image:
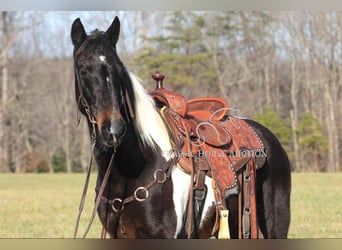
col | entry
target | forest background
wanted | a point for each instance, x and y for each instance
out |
(281, 68)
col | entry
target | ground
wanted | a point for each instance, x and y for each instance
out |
(46, 205)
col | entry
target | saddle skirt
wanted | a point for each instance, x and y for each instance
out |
(214, 142)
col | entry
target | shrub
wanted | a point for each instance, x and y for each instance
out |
(76, 167)
(276, 124)
(59, 161)
(43, 167)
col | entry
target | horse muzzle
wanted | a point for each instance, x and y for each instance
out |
(113, 132)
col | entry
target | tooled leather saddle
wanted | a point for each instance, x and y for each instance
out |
(215, 144)
(225, 143)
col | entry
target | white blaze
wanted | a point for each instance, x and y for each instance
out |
(102, 58)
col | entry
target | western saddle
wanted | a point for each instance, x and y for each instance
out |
(218, 145)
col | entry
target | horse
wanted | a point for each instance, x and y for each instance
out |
(141, 192)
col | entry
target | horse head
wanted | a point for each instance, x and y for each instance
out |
(102, 93)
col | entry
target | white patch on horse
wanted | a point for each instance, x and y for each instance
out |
(209, 199)
(181, 185)
(102, 58)
(154, 133)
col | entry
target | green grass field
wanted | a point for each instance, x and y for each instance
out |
(46, 205)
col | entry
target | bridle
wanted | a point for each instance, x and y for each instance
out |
(83, 101)
(126, 104)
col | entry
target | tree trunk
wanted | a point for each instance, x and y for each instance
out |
(68, 160)
(329, 120)
(297, 164)
(294, 115)
(4, 159)
(267, 85)
(220, 76)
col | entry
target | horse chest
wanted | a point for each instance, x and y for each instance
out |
(127, 229)
(141, 222)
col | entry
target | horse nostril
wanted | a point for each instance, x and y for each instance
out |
(112, 131)
(106, 129)
(117, 128)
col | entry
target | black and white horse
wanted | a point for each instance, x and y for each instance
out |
(124, 124)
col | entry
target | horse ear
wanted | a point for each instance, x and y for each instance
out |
(78, 34)
(113, 31)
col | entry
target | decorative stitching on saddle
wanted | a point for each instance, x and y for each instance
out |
(235, 177)
(256, 135)
(228, 135)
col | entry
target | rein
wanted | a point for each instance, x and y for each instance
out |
(129, 113)
(83, 101)
(159, 176)
(117, 204)
(84, 194)
(98, 198)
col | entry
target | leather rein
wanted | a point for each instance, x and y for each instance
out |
(83, 101)
(117, 204)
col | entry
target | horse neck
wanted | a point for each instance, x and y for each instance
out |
(130, 156)
(133, 166)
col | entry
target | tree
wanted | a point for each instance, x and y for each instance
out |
(277, 125)
(312, 40)
(313, 143)
(179, 52)
(9, 32)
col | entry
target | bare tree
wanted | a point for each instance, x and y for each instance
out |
(9, 35)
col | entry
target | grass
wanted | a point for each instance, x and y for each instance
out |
(46, 205)
(316, 205)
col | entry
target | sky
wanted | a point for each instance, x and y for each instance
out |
(48, 5)
(49, 31)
